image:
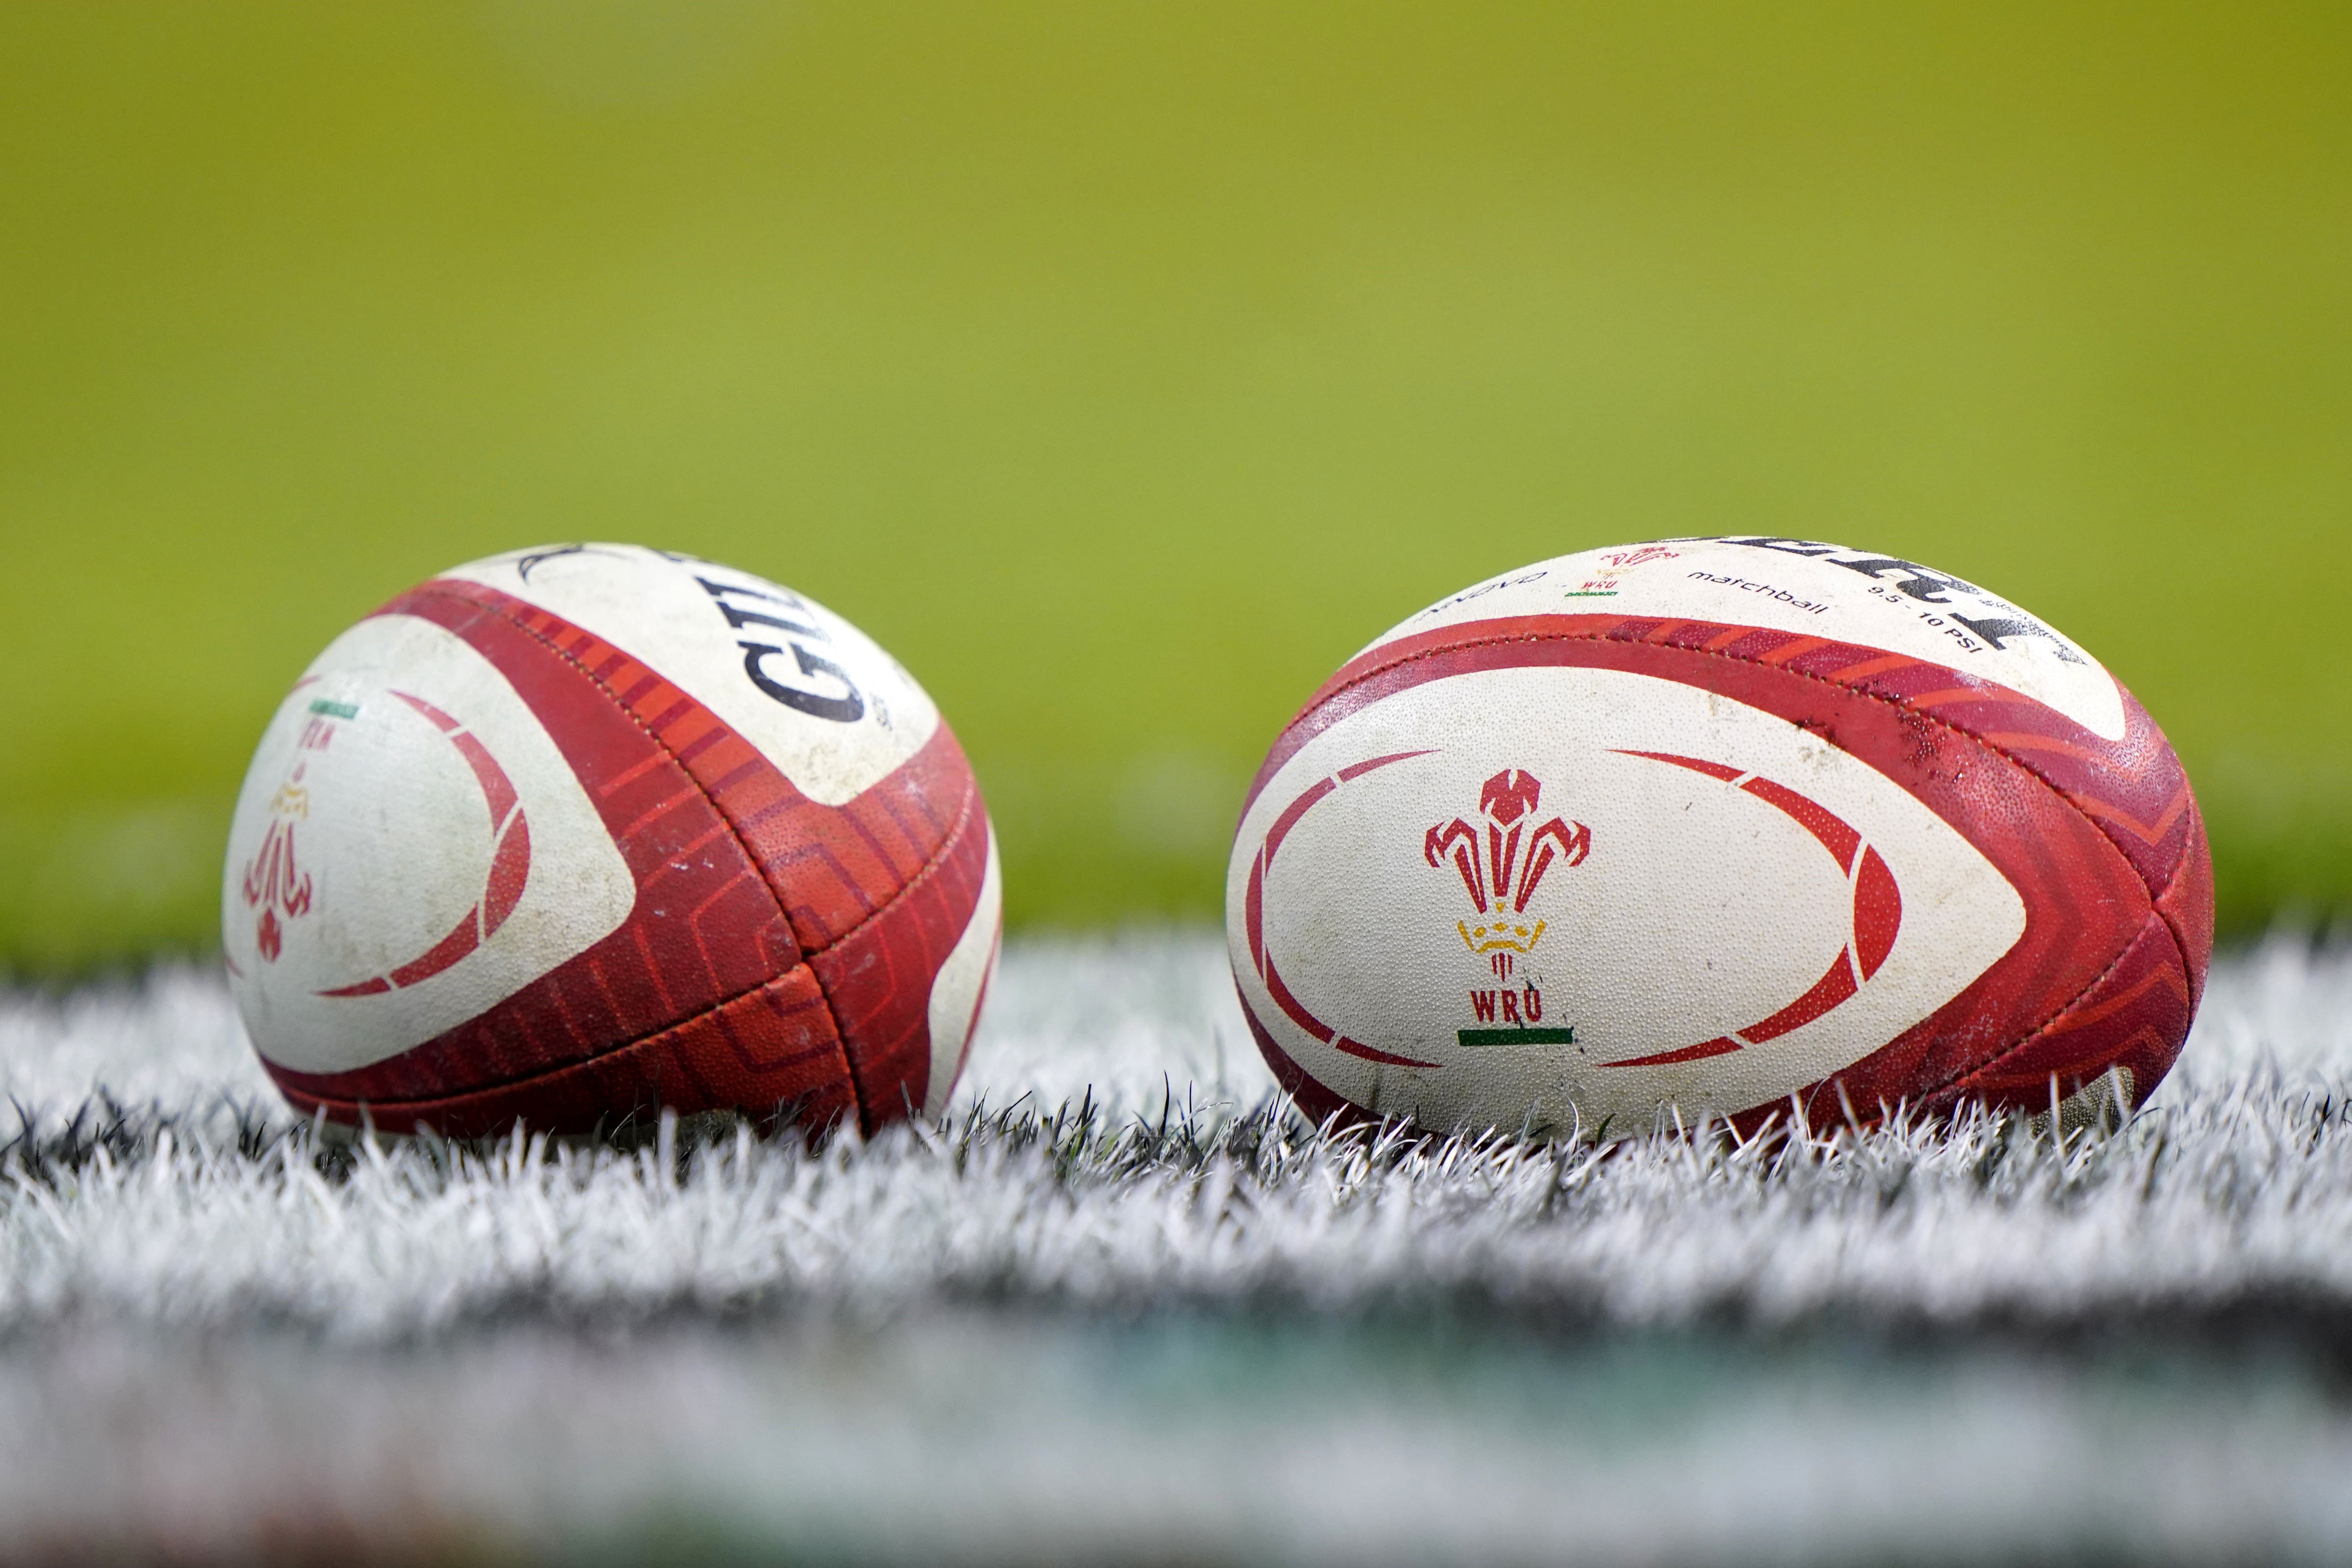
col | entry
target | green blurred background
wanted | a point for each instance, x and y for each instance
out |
(1124, 366)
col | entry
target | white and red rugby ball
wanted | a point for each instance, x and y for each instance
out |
(1697, 827)
(573, 833)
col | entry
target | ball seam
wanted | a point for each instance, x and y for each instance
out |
(734, 830)
(925, 872)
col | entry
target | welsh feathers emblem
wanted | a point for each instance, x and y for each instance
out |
(273, 881)
(273, 885)
(278, 891)
(1502, 867)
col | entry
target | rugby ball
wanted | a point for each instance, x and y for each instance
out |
(1739, 826)
(575, 832)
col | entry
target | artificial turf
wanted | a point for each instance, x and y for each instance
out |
(1120, 1307)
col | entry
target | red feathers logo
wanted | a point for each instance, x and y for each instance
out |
(1502, 868)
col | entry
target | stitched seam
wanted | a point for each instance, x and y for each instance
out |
(1989, 1063)
(929, 868)
(2172, 932)
(2177, 872)
(841, 1042)
(2040, 1029)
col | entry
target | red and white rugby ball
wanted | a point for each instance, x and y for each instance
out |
(578, 832)
(1701, 826)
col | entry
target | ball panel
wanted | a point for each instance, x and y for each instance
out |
(2133, 786)
(401, 796)
(1804, 589)
(2086, 901)
(830, 866)
(961, 987)
(703, 928)
(877, 888)
(2135, 761)
(772, 1052)
(2186, 905)
(805, 687)
(834, 867)
(1624, 864)
(2135, 1014)
(880, 977)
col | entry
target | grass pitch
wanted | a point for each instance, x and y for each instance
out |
(1120, 1307)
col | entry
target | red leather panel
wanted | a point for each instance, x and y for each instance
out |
(880, 975)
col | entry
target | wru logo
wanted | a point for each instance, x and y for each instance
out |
(1501, 871)
(272, 881)
(1492, 871)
